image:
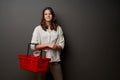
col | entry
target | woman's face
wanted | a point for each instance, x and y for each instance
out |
(47, 15)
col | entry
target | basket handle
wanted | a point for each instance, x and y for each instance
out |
(28, 48)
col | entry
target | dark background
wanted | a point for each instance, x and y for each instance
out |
(91, 29)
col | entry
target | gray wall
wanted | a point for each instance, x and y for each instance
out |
(91, 29)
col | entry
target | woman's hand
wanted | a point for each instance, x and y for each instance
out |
(47, 45)
(54, 46)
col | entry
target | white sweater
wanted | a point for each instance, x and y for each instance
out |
(40, 36)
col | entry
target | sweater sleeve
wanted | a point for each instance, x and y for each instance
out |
(35, 38)
(60, 40)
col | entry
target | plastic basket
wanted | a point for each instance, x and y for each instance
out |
(33, 64)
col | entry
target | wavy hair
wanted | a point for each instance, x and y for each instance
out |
(53, 23)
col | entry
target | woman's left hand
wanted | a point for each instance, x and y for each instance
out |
(54, 46)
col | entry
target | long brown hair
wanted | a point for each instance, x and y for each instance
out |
(53, 23)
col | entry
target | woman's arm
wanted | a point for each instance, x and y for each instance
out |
(41, 46)
(60, 42)
(47, 45)
(54, 46)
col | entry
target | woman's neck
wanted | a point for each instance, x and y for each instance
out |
(48, 24)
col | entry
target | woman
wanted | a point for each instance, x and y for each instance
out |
(49, 37)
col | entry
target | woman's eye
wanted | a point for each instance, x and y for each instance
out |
(48, 14)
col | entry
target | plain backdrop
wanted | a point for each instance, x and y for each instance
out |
(92, 37)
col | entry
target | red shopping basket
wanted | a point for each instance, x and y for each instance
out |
(31, 63)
